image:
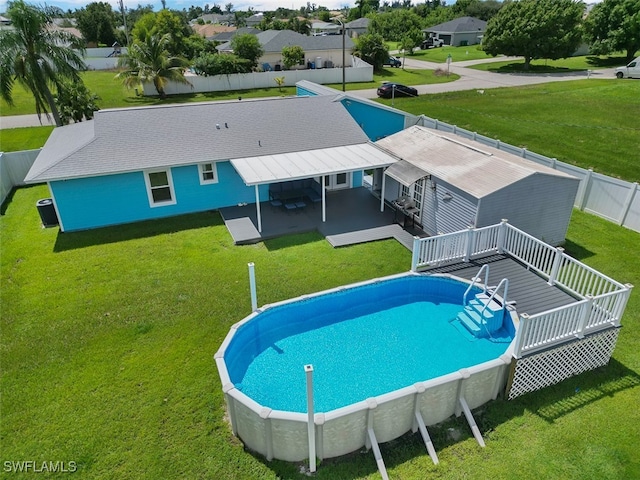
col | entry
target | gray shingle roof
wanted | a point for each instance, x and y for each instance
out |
(358, 23)
(459, 25)
(124, 140)
(273, 41)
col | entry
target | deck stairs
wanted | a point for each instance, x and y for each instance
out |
(483, 314)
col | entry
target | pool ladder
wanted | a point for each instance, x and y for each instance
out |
(483, 314)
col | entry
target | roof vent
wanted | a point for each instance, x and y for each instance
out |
(226, 125)
(218, 126)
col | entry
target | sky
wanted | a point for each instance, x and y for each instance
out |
(258, 5)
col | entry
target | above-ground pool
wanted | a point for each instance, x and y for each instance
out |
(391, 345)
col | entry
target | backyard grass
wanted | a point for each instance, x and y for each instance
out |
(563, 65)
(589, 123)
(108, 338)
(27, 138)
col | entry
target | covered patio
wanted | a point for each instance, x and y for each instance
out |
(352, 216)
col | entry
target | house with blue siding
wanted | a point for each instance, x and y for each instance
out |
(128, 165)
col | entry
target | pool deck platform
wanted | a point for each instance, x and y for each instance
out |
(352, 216)
(529, 290)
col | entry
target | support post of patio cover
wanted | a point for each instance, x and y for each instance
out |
(324, 200)
(384, 183)
(258, 209)
(252, 287)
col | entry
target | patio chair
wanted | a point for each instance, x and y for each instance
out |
(290, 206)
(275, 203)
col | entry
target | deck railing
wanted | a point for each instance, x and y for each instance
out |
(600, 300)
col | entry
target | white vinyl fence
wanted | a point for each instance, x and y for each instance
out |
(14, 166)
(359, 71)
(615, 200)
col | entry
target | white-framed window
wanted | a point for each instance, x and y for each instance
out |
(208, 173)
(160, 188)
(418, 189)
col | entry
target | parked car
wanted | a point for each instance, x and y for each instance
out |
(390, 89)
(431, 42)
(632, 70)
(393, 62)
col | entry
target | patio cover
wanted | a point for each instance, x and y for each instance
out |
(311, 163)
(405, 172)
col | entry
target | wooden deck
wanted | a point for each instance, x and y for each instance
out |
(531, 292)
(352, 216)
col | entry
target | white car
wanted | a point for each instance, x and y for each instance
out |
(632, 70)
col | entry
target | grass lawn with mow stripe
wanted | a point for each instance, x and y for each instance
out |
(589, 123)
(108, 339)
(571, 64)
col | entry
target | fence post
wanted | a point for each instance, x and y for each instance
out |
(586, 314)
(522, 326)
(502, 234)
(627, 203)
(415, 254)
(557, 260)
(585, 191)
(470, 241)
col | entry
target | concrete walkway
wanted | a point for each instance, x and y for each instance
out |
(470, 79)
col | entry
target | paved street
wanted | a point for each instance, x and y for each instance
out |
(470, 79)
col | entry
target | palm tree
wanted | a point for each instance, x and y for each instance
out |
(37, 58)
(149, 61)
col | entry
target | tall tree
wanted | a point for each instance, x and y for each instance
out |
(535, 29)
(150, 61)
(97, 23)
(614, 25)
(394, 25)
(37, 58)
(247, 46)
(371, 48)
(162, 23)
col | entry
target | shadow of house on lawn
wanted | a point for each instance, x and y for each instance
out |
(130, 231)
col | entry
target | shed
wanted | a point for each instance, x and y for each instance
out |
(457, 183)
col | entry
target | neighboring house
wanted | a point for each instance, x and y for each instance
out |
(325, 28)
(129, 165)
(227, 36)
(210, 30)
(457, 183)
(323, 51)
(215, 18)
(458, 32)
(254, 20)
(357, 27)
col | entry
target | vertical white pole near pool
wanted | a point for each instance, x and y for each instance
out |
(308, 369)
(252, 286)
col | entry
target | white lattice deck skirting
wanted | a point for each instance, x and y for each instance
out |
(552, 366)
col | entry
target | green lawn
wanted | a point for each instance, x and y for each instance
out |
(563, 65)
(26, 138)
(589, 123)
(108, 338)
(458, 54)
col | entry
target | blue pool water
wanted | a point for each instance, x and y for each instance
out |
(362, 342)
